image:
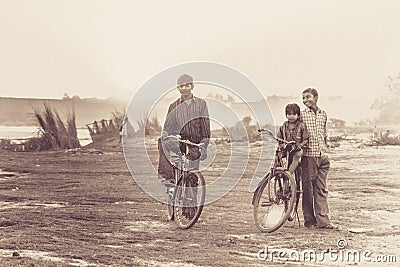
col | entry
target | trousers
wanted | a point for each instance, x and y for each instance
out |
(295, 160)
(315, 192)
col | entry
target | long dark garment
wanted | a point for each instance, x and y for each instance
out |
(189, 119)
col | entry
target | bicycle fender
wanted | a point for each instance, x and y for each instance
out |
(258, 188)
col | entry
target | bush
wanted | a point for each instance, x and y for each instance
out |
(55, 134)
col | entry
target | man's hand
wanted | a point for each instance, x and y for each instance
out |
(164, 134)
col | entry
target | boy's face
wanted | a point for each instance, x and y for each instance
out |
(185, 89)
(309, 100)
(292, 117)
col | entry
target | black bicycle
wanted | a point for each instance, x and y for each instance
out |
(277, 196)
(188, 193)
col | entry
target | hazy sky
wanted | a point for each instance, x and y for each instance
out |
(110, 48)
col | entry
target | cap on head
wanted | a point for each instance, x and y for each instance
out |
(184, 79)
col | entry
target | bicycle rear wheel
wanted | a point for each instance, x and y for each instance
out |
(274, 201)
(189, 199)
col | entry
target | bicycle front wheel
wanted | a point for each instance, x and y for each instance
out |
(189, 199)
(274, 201)
(170, 206)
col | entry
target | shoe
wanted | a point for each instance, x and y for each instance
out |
(329, 227)
(293, 215)
(310, 226)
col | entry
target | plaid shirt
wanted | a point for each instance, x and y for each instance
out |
(316, 126)
(299, 133)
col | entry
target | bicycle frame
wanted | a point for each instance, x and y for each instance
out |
(182, 167)
(184, 191)
(278, 160)
(279, 163)
(279, 167)
(183, 162)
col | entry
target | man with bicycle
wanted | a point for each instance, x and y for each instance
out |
(188, 117)
(315, 165)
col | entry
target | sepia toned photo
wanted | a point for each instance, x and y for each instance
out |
(182, 133)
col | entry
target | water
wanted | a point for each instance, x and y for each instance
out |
(20, 132)
(15, 132)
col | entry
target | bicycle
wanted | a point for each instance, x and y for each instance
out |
(187, 194)
(277, 196)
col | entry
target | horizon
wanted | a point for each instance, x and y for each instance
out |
(325, 103)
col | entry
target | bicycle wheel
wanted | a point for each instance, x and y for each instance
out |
(189, 199)
(171, 194)
(274, 201)
(170, 205)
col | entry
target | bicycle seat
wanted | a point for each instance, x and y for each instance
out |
(280, 169)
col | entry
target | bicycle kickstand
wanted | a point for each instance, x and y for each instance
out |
(296, 218)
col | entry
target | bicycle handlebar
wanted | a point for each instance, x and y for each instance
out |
(186, 142)
(261, 131)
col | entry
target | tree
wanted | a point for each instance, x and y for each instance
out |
(246, 121)
(336, 123)
(387, 105)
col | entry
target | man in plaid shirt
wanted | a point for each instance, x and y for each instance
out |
(315, 164)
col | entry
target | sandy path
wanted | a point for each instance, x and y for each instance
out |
(66, 208)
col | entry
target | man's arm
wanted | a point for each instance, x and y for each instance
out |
(205, 127)
(325, 130)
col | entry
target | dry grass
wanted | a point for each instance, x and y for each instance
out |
(55, 133)
(150, 126)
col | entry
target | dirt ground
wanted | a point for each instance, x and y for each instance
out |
(82, 208)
